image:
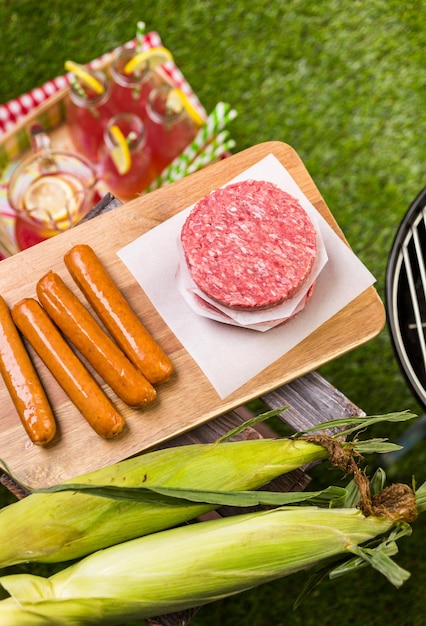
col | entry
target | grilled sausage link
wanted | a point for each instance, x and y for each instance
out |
(82, 330)
(74, 378)
(115, 312)
(23, 383)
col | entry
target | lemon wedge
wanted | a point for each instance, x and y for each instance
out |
(178, 100)
(120, 154)
(85, 76)
(51, 195)
(155, 56)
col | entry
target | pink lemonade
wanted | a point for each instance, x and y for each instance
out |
(129, 92)
(169, 130)
(50, 191)
(127, 186)
(51, 204)
(87, 116)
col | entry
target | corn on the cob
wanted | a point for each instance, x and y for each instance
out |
(53, 527)
(211, 560)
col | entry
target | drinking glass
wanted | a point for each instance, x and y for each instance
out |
(87, 114)
(129, 92)
(169, 130)
(126, 186)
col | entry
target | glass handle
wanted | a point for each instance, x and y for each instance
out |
(40, 140)
(40, 143)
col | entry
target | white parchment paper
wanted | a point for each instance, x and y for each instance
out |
(230, 356)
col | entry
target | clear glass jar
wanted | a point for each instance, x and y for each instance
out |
(129, 92)
(169, 130)
(126, 186)
(87, 115)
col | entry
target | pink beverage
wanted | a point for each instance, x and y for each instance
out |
(169, 128)
(41, 217)
(50, 192)
(87, 115)
(126, 186)
(129, 92)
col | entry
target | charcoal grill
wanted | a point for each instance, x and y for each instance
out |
(406, 296)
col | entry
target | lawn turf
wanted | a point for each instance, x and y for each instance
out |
(343, 82)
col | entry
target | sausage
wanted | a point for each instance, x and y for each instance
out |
(82, 330)
(116, 314)
(74, 378)
(23, 383)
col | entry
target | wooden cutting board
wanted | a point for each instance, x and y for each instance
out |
(188, 399)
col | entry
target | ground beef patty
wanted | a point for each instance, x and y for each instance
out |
(249, 245)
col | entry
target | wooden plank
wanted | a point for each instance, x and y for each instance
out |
(189, 399)
(311, 400)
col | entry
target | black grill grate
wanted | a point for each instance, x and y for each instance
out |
(406, 296)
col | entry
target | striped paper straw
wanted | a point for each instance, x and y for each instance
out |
(140, 32)
(76, 85)
(79, 89)
(212, 152)
(221, 115)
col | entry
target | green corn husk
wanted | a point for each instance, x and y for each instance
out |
(54, 527)
(192, 565)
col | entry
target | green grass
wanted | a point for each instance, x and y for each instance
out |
(343, 82)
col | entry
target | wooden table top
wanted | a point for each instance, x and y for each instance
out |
(189, 399)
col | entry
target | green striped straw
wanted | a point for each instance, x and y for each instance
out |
(212, 152)
(140, 32)
(215, 123)
(79, 89)
(75, 83)
(221, 115)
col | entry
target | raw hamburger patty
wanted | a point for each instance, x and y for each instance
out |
(249, 245)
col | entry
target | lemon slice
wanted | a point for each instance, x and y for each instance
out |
(85, 76)
(177, 100)
(51, 194)
(120, 154)
(155, 57)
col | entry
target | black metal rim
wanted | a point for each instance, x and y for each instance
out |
(392, 276)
